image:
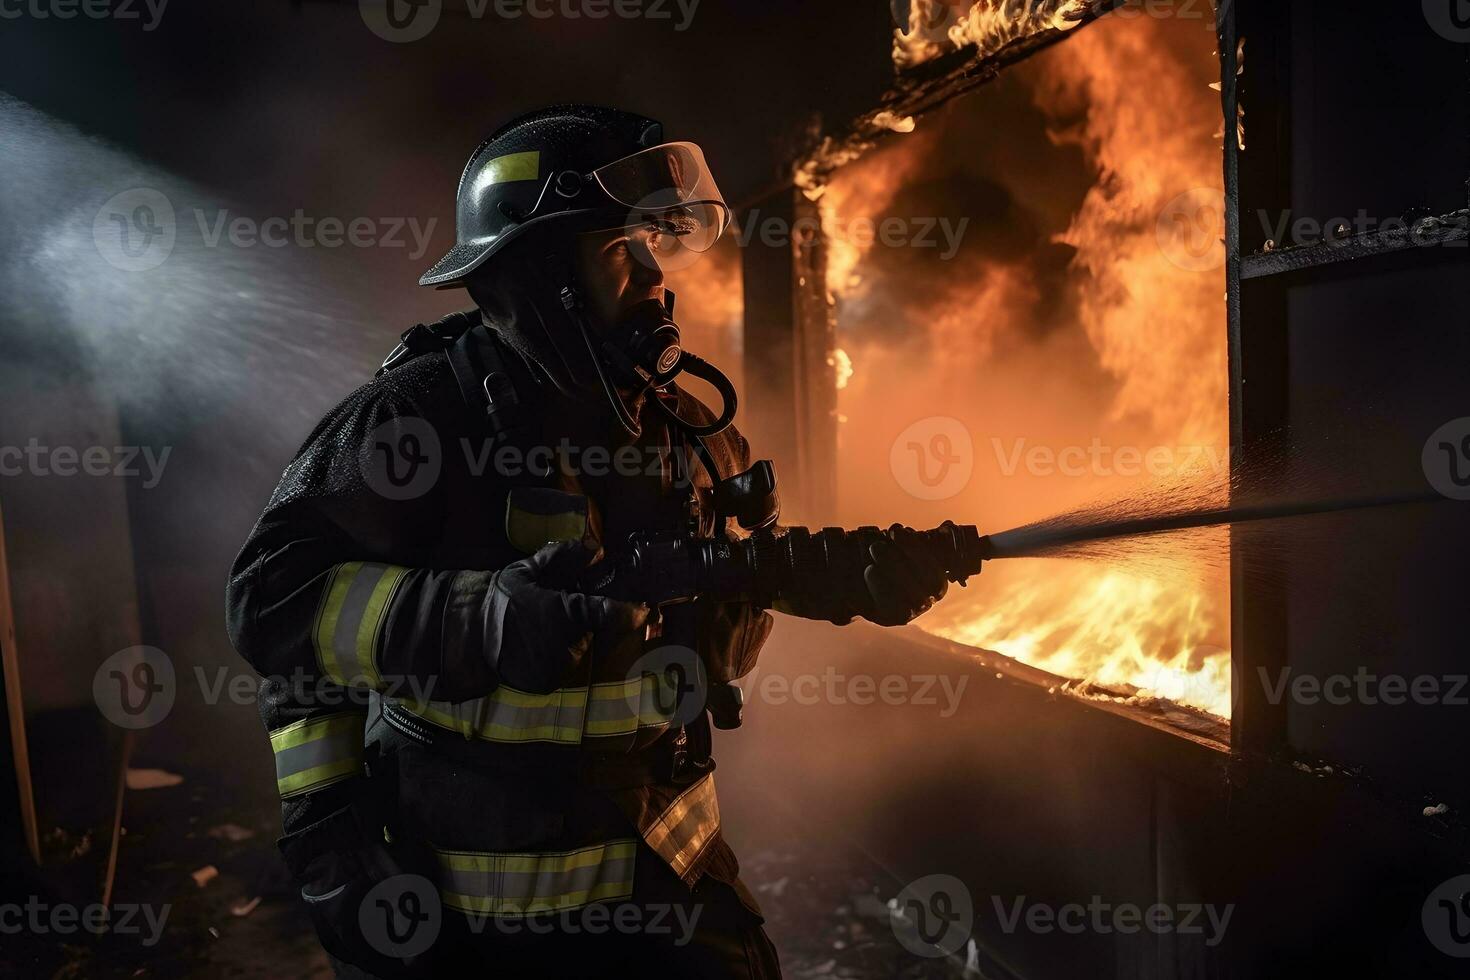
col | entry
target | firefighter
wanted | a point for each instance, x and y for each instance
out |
(479, 764)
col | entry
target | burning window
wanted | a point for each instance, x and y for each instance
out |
(1029, 293)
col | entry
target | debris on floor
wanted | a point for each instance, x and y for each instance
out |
(152, 779)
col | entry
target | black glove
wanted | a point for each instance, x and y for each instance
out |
(535, 632)
(902, 585)
(337, 862)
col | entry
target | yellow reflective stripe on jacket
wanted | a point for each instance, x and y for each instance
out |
(508, 715)
(349, 621)
(518, 884)
(535, 516)
(623, 707)
(686, 826)
(315, 752)
(565, 717)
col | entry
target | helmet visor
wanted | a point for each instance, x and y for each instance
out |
(671, 187)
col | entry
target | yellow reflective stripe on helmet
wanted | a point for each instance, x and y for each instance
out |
(519, 884)
(510, 168)
(686, 826)
(315, 752)
(508, 715)
(349, 621)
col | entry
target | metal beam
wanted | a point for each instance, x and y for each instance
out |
(789, 340)
(1450, 230)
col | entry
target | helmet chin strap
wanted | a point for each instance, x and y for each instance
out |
(571, 298)
(656, 376)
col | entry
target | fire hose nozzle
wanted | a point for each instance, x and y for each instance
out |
(659, 568)
(959, 549)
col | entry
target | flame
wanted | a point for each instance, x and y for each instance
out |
(1124, 631)
(841, 365)
(863, 193)
(940, 26)
(1152, 314)
(1138, 359)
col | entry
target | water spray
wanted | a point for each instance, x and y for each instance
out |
(1060, 534)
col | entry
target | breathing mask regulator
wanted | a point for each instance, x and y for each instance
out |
(641, 353)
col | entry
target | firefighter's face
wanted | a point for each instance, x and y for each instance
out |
(619, 269)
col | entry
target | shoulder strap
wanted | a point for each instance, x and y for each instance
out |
(485, 382)
(424, 338)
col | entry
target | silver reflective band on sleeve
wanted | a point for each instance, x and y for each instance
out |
(349, 621)
(519, 884)
(617, 709)
(317, 752)
(686, 827)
